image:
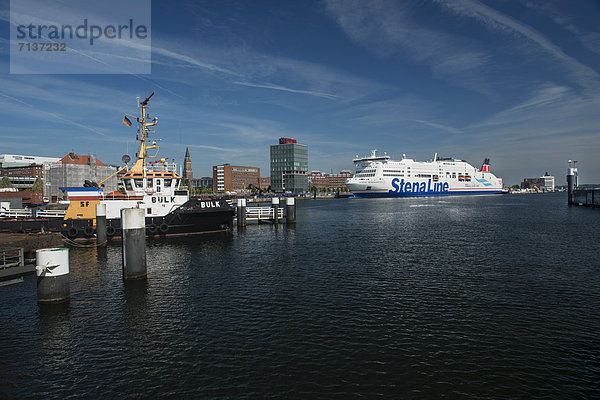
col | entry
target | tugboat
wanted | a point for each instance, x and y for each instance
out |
(154, 186)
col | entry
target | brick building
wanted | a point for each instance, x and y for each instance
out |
(265, 183)
(234, 178)
(328, 181)
(23, 177)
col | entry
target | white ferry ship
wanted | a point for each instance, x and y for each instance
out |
(378, 176)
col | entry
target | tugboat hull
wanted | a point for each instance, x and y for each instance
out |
(193, 217)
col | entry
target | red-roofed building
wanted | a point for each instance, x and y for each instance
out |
(73, 158)
(74, 169)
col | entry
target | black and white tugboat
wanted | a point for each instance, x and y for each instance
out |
(154, 186)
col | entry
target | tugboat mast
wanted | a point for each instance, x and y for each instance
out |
(146, 127)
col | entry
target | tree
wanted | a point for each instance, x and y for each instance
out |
(5, 183)
(38, 185)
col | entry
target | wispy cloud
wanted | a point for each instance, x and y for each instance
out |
(43, 113)
(389, 30)
(437, 126)
(286, 89)
(494, 20)
(589, 39)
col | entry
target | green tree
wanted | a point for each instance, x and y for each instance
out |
(38, 185)
(5, 183)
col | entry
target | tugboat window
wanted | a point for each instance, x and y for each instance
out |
(149, 183)
(128, 184)
(139, 183)
(168, 182)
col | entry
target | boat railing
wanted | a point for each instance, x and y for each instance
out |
(15, 213)
(121, 197)
(27, 213)
(160, 167)
(50, 213)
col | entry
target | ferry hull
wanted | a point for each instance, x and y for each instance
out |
(386, 194)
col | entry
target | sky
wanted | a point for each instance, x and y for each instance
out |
(516, 81)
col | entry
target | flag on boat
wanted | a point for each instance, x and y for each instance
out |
(126, 121)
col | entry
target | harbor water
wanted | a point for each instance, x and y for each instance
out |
(459, 297)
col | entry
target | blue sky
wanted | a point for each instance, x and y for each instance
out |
(515, 81)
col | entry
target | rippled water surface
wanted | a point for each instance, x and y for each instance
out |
(464, 297)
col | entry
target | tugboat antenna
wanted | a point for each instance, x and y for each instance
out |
(145, 102)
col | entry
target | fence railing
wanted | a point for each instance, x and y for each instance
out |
(11, 258)
(260, 213)
(51, 213)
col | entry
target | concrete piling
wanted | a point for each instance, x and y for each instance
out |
(241, 212)
(133, 222)
(290, 210)
(52, 270)
(275, 209)
(100, 224)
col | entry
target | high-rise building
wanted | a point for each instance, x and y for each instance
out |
(289, 166)
(188, 173)
(231, 177)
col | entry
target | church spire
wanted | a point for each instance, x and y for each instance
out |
(188, 172)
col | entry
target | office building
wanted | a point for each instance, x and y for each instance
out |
(205, 182)
(543, 184)
(289, 166)
(228, 178)
(265, 183)
(329, 181)
(16, 160)
(24, 178)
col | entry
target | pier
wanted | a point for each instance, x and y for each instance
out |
(273, 213)
(262, 214)
(17, 251)
(580, 197)
(586, 197)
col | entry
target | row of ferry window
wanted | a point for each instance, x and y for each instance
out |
(138, 183)
(449, 175)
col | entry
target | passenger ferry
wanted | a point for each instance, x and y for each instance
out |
(378, 176)
(154, 186)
